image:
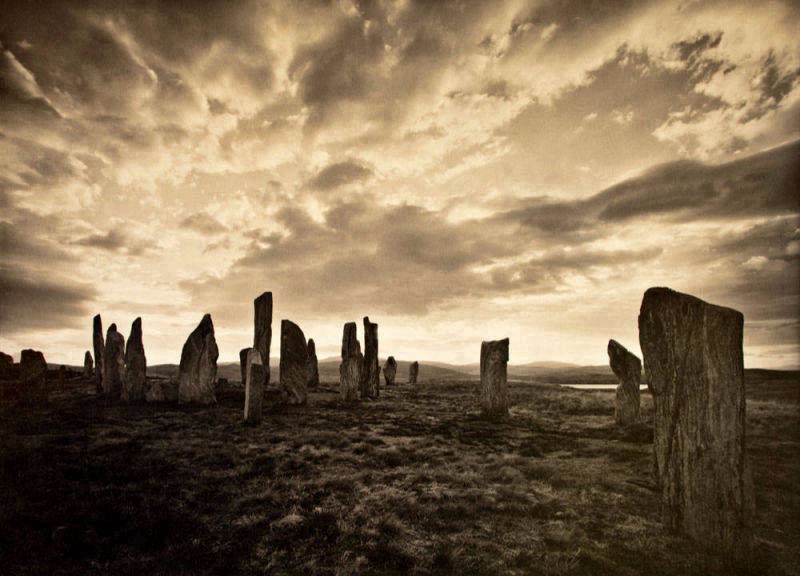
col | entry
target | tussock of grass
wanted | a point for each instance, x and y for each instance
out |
(418, 484)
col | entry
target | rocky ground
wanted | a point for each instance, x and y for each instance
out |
(403, 484)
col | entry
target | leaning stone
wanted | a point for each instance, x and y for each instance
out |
(99, 352)
(33, 376)
(88, 365)
(133, 389)
(6, 366)
(413, 373)
(313, 365)
(113, 364)
(262, 330)
(370, 375)
(390, 370)
(351, 365)
(628, 369)
(694, 366)
(294, 367)
(253, 387)
(197, 371)
(494, 369)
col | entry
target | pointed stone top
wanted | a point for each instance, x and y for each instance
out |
(264, 296)
(206, 324)
(312, 347)
(112, 328)
(97, 319)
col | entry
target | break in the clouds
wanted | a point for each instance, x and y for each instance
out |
(456, 170)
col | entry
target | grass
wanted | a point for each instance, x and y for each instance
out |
(407, 484)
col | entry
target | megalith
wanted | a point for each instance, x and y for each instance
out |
(134, 386)
(294, 367)
(413, 373)
(243, 363)
(262, 330)
(99, 352)
(694, 365)
(113, 364)
(6, 366)
(33, 376)
(88, 365)
(494, 369)
(628, 370)
(370, 374)
(351, 365)
(253, 387)
(390, 370)
(313, 364)
(198, 368)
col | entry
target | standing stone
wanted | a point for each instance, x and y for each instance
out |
(370, 375)
(99, 352)
(694, 366)
(352, 364)
(243, 363)
(33, 376)
(628, 369)
(6, 366)
(253, 387)
(313, 365)
(88, 365)
(413, 373)
(390, 370)
(113, 364)
(262, 330)
(198, 368)
(294, 364)
(494, 369)
(134, 386)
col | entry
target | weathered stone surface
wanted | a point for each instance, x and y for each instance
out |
(33, 376)
(262, 330)
(161, 390)
(133, 388)
(99, 352)
(351, 365)
(313, 365)
(628, 369)
(198, 368)
(253, 387)
(88, 365)
(370, 374)
(294, 368)
(494, 369)
(694, 366)
(6, 366)
(113, 364)
(413, 373)
(243, 363)
(390, 370)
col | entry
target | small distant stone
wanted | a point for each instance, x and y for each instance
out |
(390, 370)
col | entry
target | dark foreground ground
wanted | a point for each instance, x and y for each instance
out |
(406, 484)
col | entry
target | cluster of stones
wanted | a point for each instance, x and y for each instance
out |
(120, 372)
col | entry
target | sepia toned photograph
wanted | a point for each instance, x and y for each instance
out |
(425, 287)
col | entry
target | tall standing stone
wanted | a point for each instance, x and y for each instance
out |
(413, 373)
(198, 368)
(390, 370)
(88, 365)
(243, 363)
(135, 384)
(494, 370)
(262, 329)
(628, 369)
(294, 367)
(694, 366)
(370, 375)
(99, 352)
(113, 364)
(253, 387)
(6, 366)
(313, 365)
(33, 376)
(351, 365)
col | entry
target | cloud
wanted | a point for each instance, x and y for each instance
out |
(340, 174)
(116, 241)
(203, 223)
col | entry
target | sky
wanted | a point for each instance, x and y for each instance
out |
(457, 171)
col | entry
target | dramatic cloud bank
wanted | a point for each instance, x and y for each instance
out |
(457, 170)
